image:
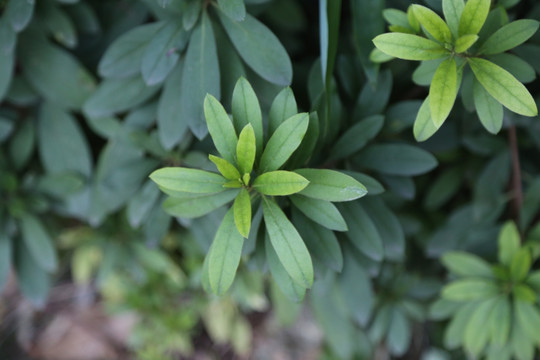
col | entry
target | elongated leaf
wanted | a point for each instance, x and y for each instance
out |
(279, 183)
(322, 212)
(528, 318)
(162, 52)
(469, 289)
(226, 169)
(259, 48)
(443, 91)
(489, 110)
(288, 244)
(6, 252)
(432, 23)
(520, 265)
(476, 336)
(424, 127)
(221, 128)
(522, 70)
(242, 212)
(467, 265)
(246, 110)
(282, 108)
(452, 10)
(191, 206)
(141, 204)
(235, 9)
(509, 36)
(356, 137)
(284, 142)
(19, 13)
(246, 149)
(409, 47)
(34, 283)
(396, 159)
(7, 67)
(399, 333)
(473, 17)
(463, 43)
(509, 242)
(200, 77)
(59, 24)
(453, 336)
(224, 255)
(500, 321)
(124, 56)
(504, 87)
(331, 185)
(39, 243)
(188, 180)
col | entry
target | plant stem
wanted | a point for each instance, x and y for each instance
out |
(516, 188)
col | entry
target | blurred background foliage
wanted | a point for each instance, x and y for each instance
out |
(95, 95)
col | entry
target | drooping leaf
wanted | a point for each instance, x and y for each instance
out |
(279, 183)
(242, 212)
(443, 91)
(409, 47)
(509, 36)
(473, 16)
(322, 212)
(288, 244)
(246, 110)
(221, 128)
(196, 205)
(489, 110)
(331, 185)
(39, 243)
(188, 180)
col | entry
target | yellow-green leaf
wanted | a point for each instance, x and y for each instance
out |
(443, 91)
(432, 23)
(473, 17)
(409, 47)
(279, 183)
(463, 43)
(242, 212)
(228, 170)
(246, 149)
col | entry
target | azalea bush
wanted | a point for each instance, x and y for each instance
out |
(195, 162)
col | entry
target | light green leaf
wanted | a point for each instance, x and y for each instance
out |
(452, 10)
(259, 48)
(396, 17)
(224, 255)
(331, 185)
(528, 318)
(469, 289)
(246, 110)
(284, 142)
(504, 87)
(489, 110)
(423, 74)
(464, 42)
(509, 36)
(500, 321)
(509, 242)
(221, 128)
(409, 47)
(473, 17)
(524, 293)
(226, 169)
(235, 9)
(279, 183)
(188, 180)
(321, 211)
(432, 23)
(242, 212)
(476, 335)
(39, 243)
(520, 265)
(289, 246)
(424, 127)
(282, 108)
(466, 264)
(453, 336)
(246, 149)
(189, 206)
(443, 91)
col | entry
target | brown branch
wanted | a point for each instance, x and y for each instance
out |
(517, 190)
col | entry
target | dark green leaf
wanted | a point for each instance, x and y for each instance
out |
(235, 9)
(140, 205)
(467, 265)
(399, 333)
(509, 36)
(32, 280)
(19, 13)
(356, 137)
(322, 212)
(6, 250)
(22, 144)
(59, 24)
(489, 110)
(39, 243)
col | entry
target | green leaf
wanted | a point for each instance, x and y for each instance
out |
(242, 212)
(288, 244)
(331, 185)
(489, 110)
(423, 74)
(284, 142)
(322, 212)
(355, 285)
(192, 11)
(163, 52)
(534, 280)
(524, 293)
(396, 17)
(509, 242)
(33, 282)
(424, 127)
(442, 309)
(62, 144)
(259, 48)
(432, 23)
(246, 149)
(282, 108)
(522, 70)
(39, 243)
(321, 242)
(226, 169)
(124, 56)
(290, 288)
(279, 183)
(224, 255)
(6, 250)
(200, 77)
(356, 137)
(59, 24)
(141, 204)
(246, 110)
(453, 336)
(469, 289)
(118, 95)
(399, 333)
(188, 180)
(329, 16)
(7, 67)
(476, 336)
(520, 265)
(235, 9)
(22, 144)
(221, 128)
(19, 13)
(443, 91)
(473, 17)
(466, 265)
(463, 43)
(396, 159)
(191, 206)
(444, 188)
(509, 36)
(528, 318)
(452, 10)
(409, 47)
(500, 321)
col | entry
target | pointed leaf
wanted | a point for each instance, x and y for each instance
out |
(466, 265)
(489, 110)
(246, 110)
(189, 206)
(242, 212)
(509, 242)
(409, 47)
(432, 23)
(443, 91)
(424, 127)
(463, 43)
(520, 265)
(226, 169)
(172, 126)
(476, 335)
(246, 149)
(188, 180)
(473, 17)
(320, 211)
(283, 107)
(279, 183)
(452, 10)
(509, 36)
(469, 289)
(221, 128)
(39, 243)
(331, 185)
(356, 137)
